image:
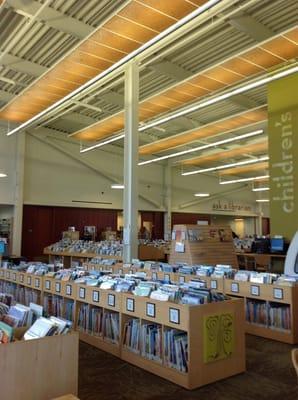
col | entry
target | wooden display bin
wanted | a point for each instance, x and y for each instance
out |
(148, 252)
(39, 369)
(268, 296)
(195, 321)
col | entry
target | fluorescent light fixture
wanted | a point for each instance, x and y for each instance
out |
(236, 164)
(3, 175)
(224, 96)
(238, 219)
(204, 147)
(202, 194)
(119, 63)
(260, 189)
(95, 146)
(263, 200)
(117, 186)
(255, 178)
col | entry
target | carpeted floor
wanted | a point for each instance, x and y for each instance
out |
(269, 375)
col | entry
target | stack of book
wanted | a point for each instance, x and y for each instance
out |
(279, 316)
(256, 312)
(111, 326)
(151, 341)
(132, 335)
(176, 349)
(90, 319)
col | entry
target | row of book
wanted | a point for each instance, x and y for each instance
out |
(58, 306)
(94, 321)
(272, 315)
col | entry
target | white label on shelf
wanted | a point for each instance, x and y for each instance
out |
(22, 278)
(120, 271)
(28, 280)
(130, 305)
(150, 310)
(154, 276)
(167, 277)
(234, 287)
(58, 287)
(82, 292)
(181, 279)
(68, 290)
(48, 285)
(14, 276)
(213, 284)
(278, 293)
(95, 296)
(111, 300)
(255, 290)
(174, 315)
(36, 282)
(7, 274)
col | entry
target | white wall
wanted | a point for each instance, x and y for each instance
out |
(54, 178)
(7, 166)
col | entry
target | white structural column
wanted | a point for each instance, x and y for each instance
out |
(131, 149)
(168, 202)
(19, 195)
(259, 220)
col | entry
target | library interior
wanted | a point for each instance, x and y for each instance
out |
(148, 199)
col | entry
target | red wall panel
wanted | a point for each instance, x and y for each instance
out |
(188, 218)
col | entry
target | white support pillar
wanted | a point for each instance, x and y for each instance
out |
(19, 195)
(260, 220)
(168, 202)
(131, 148)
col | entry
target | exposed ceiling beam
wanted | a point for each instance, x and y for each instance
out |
(244, 101)
(253, 28)
(21, 65)
(173, 70)
(113, 98)
(51, 17)
(5, 96)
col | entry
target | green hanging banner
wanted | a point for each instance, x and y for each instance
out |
(283, 154)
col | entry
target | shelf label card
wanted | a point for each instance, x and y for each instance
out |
(21, 278)
(174, 315)
(28, 280)
(48, 285)
(82, 293)
(95, 296)
(14, 276)
(255, 290)
(181, 279)
(7, 274)
(111, 300)
(278, 293)
(150, 310)
(37, 282)
(154, 276)
(120, 271)
(213, 284)
(58, 287)
(68, 290)
(235, 287)
(130, 305)
(167, 277)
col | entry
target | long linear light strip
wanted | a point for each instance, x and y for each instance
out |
(260, 189)
(255, 178)
(113, 139)
(3, 175)
(119, 63)
(203, 147)
(235, 164)
(221, 97)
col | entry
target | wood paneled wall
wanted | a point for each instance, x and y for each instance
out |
(188, 218)
(43, 225)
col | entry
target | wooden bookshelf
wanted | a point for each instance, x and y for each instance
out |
(39, 369)
(268, 294)
(68, 257)
(199, 244)
(190, 320)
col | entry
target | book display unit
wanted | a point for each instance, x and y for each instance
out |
(202, 244)
(271, 310)
(188, 345)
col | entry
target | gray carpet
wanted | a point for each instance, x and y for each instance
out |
(269, 375)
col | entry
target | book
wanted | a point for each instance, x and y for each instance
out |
(6, 333)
